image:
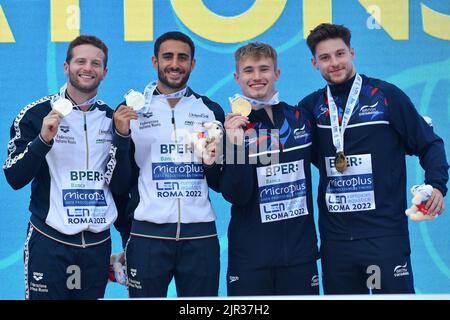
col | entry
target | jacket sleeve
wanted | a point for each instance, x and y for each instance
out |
(121, 169)
(237, 180)
(305, 110)
(418, 137)
(124, 219)
(26, 152)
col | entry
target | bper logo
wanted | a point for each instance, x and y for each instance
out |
(352, 161)
(282, 168)
(175, 148)
(86, 176)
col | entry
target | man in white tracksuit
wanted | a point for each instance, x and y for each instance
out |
(173, 231)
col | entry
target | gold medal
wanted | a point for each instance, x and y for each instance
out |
(340, 162)
(242, 106)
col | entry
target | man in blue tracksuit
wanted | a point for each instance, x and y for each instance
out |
(173, 231)
(272, 244)
(64, 153)
(365, 128)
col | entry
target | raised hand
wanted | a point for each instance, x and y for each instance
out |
(122, 118)
(234, 127)
(435, 204)
(50, 125)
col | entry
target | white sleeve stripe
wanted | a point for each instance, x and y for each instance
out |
(111, 164)
(11, 145)
(367, 123)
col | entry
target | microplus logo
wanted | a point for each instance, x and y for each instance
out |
(84, 198)
(172, 171)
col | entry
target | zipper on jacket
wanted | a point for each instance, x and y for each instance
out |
(87, 141)
(87, 163)
(177, 236)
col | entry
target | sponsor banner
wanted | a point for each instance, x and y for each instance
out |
(282, 191)
(84, 198)
(352, 190)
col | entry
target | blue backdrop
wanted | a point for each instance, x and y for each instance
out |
(403, 42)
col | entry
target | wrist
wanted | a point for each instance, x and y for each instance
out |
(123, 135)
(48, 143)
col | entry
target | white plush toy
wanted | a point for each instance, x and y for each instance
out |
(421, 194)
(211, 132)
(117, 271)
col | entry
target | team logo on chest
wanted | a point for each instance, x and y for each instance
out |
(367, 110)
(64, 129)
(300, 133)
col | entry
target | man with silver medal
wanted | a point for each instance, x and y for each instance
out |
(173, 232)
(71, 205)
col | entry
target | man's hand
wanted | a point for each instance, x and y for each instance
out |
(50, 125)
(122, 118)
(209, 153)
(435, 204)
(234, 127)
(117, 269)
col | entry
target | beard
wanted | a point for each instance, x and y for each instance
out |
(88, 89)
(349, 73)
(174, 85)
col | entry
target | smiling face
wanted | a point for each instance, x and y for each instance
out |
(174, 65)
(334, 59)
(85, 69)
(256, 77)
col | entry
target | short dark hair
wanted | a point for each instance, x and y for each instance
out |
(255, 50)
(87, 39)
(326, 31)
(174, 35)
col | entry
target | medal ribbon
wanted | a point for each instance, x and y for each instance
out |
(338, 132)
(62, 95)
(150, 89)
(257, 104)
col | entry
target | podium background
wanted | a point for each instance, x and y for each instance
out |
(33, 49)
